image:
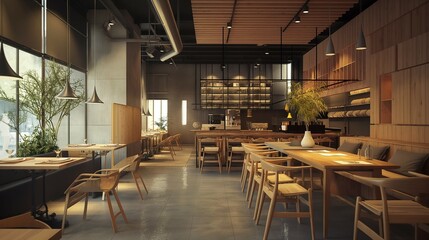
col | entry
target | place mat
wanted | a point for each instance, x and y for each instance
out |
(13, 160)
(353, 162)
(81, 145)
(55, 161)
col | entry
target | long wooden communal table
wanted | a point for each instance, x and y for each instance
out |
(328, 162)
(225, 134)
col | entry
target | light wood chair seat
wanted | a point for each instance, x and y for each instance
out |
(291, 189)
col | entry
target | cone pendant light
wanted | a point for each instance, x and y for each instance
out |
(330, 50)
(6, 72)
(361, 43)
(67, 93)
(94, 99)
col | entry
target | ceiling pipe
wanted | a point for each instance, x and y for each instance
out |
(165, 14)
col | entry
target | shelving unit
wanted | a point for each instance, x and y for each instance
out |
(350, 112)
(235, 93)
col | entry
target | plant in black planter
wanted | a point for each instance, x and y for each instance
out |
(38, 97)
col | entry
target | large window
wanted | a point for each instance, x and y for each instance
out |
(159, 118)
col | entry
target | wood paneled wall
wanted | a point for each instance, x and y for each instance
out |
(126, 127)
(397, 35)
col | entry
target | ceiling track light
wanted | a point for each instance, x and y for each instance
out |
(305, 9)
(297, 19)
(229, 25)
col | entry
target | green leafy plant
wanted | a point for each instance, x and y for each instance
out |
(306, 103)
(162, 124)
(38, 98)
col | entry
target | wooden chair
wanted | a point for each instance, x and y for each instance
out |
(25, 220)
(210, 149)
(167, 144)
(248, 148)
(406, 210)
(104, 181)
(283, 192)
(131, 164)
(176, 140)
(256, 158)
(235, 152)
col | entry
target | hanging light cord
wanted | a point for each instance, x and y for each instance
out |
(93, 42)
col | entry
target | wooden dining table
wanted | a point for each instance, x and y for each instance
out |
(107, 147)
(30, 234)
(328, 161)
(38, 166)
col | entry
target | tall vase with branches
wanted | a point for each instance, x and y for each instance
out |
(307, 105)
(38, 98)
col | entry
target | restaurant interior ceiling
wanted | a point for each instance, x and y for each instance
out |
(256, 27)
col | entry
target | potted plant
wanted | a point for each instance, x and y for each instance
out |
(38, 98)
(307, 105)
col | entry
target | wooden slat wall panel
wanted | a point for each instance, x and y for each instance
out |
(397, 34)
(401, 97)
(419, 91)
(414, 51)
(126, 124)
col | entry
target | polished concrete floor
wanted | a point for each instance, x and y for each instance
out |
(184, 204)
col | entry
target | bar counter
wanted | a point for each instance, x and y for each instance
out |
(225, 134)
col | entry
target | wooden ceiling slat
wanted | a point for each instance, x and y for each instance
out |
(258, 21)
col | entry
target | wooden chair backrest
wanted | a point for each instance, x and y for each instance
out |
(125, 163)
(109, 181)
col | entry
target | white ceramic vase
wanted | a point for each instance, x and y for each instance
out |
(307, 140)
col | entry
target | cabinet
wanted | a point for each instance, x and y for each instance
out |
(235, 93)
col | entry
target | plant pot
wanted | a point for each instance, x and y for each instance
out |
(307, 140)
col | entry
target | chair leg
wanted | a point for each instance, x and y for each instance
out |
(252, 191)
(121, 209)
(258, 199)
(112, 215)
(261, 204)
(298, 208)
(144, 185)
(356, 220)
(66, 203)
(219, 162)
(137, 184)
(310, 209)
(85, 208)
(249, 185)
(269, 217)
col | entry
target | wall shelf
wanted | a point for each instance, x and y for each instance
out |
(233, 93)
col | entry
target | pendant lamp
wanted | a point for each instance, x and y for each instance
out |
(94, 99)
(6, 72)
(289, 115)
(148, 113)
(361, 43)
(67, 93)
(249, 113)
(330, 50)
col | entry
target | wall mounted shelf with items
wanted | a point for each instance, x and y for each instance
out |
(235, 93)
(357, 105)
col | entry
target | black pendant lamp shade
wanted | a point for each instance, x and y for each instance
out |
(361, 43)
(148, 113)
(94, 99)
(6, 72)
(330, 50)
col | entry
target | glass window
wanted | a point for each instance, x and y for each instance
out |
(184, 112)
(159, 118)
(8, 106)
